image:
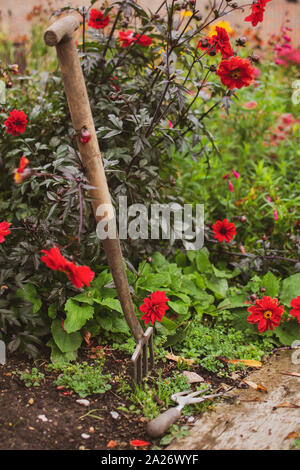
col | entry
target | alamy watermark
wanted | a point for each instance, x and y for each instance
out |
(2, 92)
(296, 92)
(158, 221)
(2, 353)
(296, 354)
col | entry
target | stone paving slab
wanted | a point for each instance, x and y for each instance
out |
(247, 424)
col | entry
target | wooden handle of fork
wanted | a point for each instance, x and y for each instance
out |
(161, 424)
(60, 34)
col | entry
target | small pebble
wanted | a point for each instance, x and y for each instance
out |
(190, 419)
(30, 401)
(83, 402)
(114, 415)
(92, 430)
(192, 377)
(85, 436)
(43, 418)
(235, 376)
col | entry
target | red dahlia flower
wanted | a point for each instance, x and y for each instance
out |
(16, 122)
(144, 40)
(295, 312)
(257, 14)
(126, 38)
(155, 307)
(224, 230)
(236, 72)
(78, 275)
(4, 230)
(219, 42)
(54, 259)
(22, 173)
(267, 313)
(222, 42)
(97, 20)
(205, 43)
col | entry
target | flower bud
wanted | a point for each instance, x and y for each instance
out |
(85, 136)
(14, 68)
(254, 58)
(212, 52)
(204, 42)
(20, 177)
(241, 41)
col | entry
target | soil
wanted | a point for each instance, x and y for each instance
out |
(65, 420)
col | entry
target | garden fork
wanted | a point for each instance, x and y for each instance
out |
(61, 35)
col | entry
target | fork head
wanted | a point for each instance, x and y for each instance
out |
(139, 358)
(187, 397)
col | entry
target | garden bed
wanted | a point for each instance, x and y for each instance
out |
(67, 420)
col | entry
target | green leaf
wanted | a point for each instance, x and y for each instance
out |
(66, 342)
(112, 304)
(271, 283)
(179, 307)
(85, 297)
(185, 298)
(154, 282)
(29, 293)
(76, 315)
(202, 262)
(114, 323)
(52, 310)
(181, 260)
(100, 281)
(204, 298)
(188, 287)
(290, 289)
(57, 356)
(177, 337)
(218, 286)
(169, 324)
(158, 260)
(240, 320)
(237, 301)
(287, 332)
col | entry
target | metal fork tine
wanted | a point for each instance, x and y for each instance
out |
(140, 356)
(151, 351)
(145, 360)
(194, 394)
(139, 369)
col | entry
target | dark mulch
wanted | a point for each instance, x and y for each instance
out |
(67, 420)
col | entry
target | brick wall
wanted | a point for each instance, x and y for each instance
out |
(14, 23)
